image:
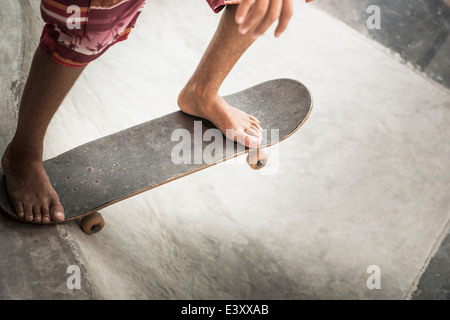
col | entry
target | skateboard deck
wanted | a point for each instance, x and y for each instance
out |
(95, 175)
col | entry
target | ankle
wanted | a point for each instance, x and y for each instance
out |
(201, 90)
(19, 150)
(205, 91)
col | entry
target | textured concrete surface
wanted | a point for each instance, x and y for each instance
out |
(364, 182)
(15, 60)
(435, 281)
(34, 263)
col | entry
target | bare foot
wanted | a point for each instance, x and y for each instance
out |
(232, 122)
(29, 188)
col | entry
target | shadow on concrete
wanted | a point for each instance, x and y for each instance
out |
(418, 30)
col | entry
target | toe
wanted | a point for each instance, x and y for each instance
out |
(37, 214)
(257, 130)
(45, 214)
(28, 209)
(253, 132)
(45, 217)
(37, 217)
(19, 209)
(252, 141)
(256, 124)
(57, 212)
(248, 138)
(254, 118)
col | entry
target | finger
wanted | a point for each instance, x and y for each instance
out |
(272, 15)
(243, 10)
(285, 17)
(257, 13)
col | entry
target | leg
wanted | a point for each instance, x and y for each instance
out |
(28, 186)
(49, 81)
(200, 95)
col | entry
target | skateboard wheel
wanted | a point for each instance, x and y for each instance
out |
(92, 223)
(257, 159)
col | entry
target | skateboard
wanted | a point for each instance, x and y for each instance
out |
(100, 173)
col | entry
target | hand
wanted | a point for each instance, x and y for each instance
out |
(257, 16)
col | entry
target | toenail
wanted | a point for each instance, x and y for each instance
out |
(59, 214)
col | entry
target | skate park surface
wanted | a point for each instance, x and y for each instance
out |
(364, 182)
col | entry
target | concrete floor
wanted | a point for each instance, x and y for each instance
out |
(365, 182)
(418, 31)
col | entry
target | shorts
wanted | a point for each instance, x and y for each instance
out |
(75, 35)
(218, 5)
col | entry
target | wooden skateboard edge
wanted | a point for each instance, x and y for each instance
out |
(105, 205)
